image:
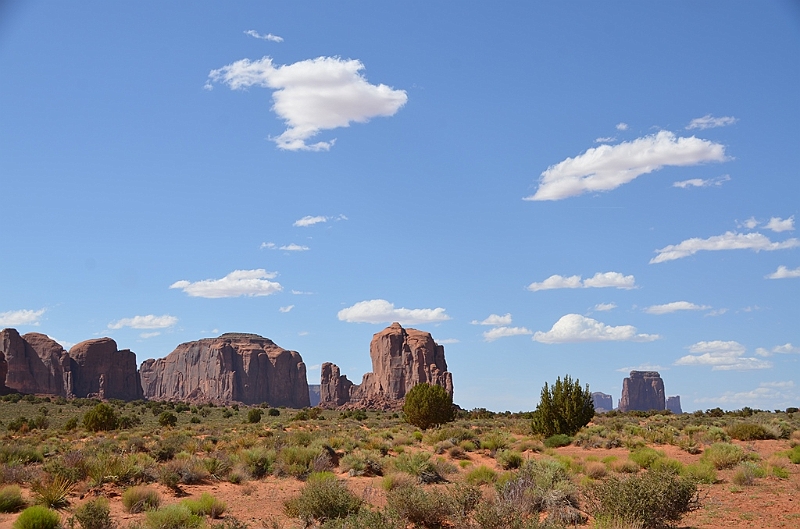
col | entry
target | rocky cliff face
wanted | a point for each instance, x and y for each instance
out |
(4, 390)
(401, 359)
(674, 404)
(602, 402)
(238, 367)
(100, 370)
(35, 363)
(643, 390)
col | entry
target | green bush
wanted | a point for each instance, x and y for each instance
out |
(101, 418)
(140, 498)
(654, 499)
(481, 475)
(540, 485)
(206, 505)
(37, 517)
(365, 519)
(508, 459)
(421, 507)
(564, 409)
(557, 440)
(418, 465)
(428, 405)
(94, 514)
(323, 497)
(723, 455)
(646, 457)
(172, 517)
(748, 431)
(11, 499)
(274, 412)
(254, 416)
(167, 419)
(794, 455)
(747, 472)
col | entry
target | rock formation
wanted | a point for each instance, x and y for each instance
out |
(313, 394)
(401, 359)
(100, 370)
(4, 390)
(35, 363)
(238, 367)
(643, 390)
(602, 402)
(674, 404)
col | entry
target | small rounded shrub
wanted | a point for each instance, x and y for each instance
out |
(254, 416)
(172, 517)
(11, 499)
(37, 517)
(101, 418)
(274, 412)
(140, 499)
(323, 497)
(748, 431)
(428, 405)
(557, 440)
(206, 505)
(723, 455)
(167, 419)
(94, 514)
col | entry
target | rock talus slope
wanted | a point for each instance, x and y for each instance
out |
(401, 359)
(233, 367)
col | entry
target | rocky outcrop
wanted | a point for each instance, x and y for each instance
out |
(602, 402)
(4, 390)
(35, 363)
(643, 390)
(401, 359)
(100, 370)
(239, 367)
(674, 404)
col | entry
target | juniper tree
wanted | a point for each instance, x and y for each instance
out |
(563, 409)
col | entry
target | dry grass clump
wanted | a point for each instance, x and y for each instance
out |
(11, 499)
(140, 499)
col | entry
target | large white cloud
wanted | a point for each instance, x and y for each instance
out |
(721, 356)
(502, 332)
(494, 319)
(577, 328)
(313, 95)
(674, 307)
(13, 318)
(237, 283)
(709, 122)
(728, 241)
(599, 280)
(381, 311)
(784, 273)
(151, 321)
(607, 167)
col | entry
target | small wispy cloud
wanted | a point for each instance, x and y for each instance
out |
(147, 335)
(605, 139)
(786, 348)
(286, 309)
(699, 182)
(675, 306)
(642, 367)
(310, 220)
(504, 332)
(622, 126)
(494, 319)
(150, 321)
(448, 341)
(269, 36)
(784, 273)
(728, 241)
(599, 280)
(710, 122)
(294, 248)
(13, 318)
(603, 307)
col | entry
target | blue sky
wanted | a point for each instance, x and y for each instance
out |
(578, 188)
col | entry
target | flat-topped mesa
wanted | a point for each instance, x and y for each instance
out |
(235, 367)
(674, 404)
(602, 402)
(401, 359)
(642, 391)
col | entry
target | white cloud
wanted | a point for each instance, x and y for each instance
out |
(716, 312)
(308, 220)
(269, 36)
(301, 293)
(603, 307)
(728, 241)
(784, 273)
(622, 126)
(607, 167)
(294, 248)
(147, 335)
(709, 122)
(721, 356)
(777, 393)
(786, 348)
(150, 321)
(494, 319)
(749, 223)
(502, 332)
(599, 280)
(448, 341)
(674, 307)
(699, 182)
(237, 283)
(778, 224)
(577, 328)
(605, 139)
(381, 311)
(13, 318)
(286, 309)
(642, 367)
(267, 246)
(313, 95)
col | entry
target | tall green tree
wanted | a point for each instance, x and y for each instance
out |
(428, 405)
(563, 409)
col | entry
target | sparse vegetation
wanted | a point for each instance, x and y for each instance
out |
(37, 517)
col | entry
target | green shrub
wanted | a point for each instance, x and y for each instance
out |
(274, 412)
(421, 507)
(167, 419)
(140, 499)
(418, 465)
(748, 431)
(11, 499)
(365, 519)
(747, 472)
(564, 409)
(254, 416)
(206, 505)
(323, 497)
(94, 514)
(15, 452)
(557, 440)
(654, 499)
(259, 461)
(723, 455)
(52, 493)
(794, 455)
(645, 457)
(701, 472)
(542, 485)
(101, 418)
(508, 459)
(37, 517)
(428, 405)
(481, 475)
(172, 517)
